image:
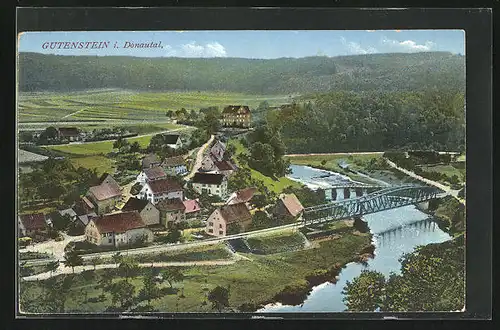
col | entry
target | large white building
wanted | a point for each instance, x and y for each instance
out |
(211, 183)
(158, 190)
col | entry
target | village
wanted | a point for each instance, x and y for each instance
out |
(168, 196)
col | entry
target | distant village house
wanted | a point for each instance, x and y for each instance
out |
(288, 208)
(210, 183)
(219, 221)
(150, 160)
(236, 116)
(148, 212)
(158, 190)
(151, 174)
(171, 212)
(192, 209)
(68, 134)
(33, 224)
(106, 195)
(174, 165)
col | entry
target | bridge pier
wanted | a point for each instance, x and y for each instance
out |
(359, 192)
(360, 225)
(334, 194)
(347, 193)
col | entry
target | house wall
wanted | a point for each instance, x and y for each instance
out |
(141, 178)
(107, 205)
(219, 190)
(172, 216)
(239, 119)
(216, 225)
(150, 215)
(154, 199)
(92, 234)
(174, 170)
(207, 164)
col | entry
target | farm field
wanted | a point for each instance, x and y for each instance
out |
(118, 104)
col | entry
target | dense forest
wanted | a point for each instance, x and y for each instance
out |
(374, 72)
(371, 121)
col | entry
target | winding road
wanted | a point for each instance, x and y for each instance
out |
(199, 158)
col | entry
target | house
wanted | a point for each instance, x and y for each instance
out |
(151, 174)
(117, 229)
(192, 209)
(211, 183)
(149, 213)
(207, 163)
(151, 160)
(106, 195)
(171, 211)
(242, 196)
(84, 206)
(157, 190)
(224, 167)
(217, 150)
(222, 218)
(236, 116)
(173, 140)
(32, 224)
(85, 218)
(68, 133)
(175, 165)
(288, 208)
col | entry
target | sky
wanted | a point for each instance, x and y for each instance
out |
(246, 44)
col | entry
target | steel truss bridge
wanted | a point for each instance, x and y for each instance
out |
(381, 200)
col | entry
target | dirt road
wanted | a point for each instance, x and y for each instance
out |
(199, 158)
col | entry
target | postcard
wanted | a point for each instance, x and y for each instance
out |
(241, 171)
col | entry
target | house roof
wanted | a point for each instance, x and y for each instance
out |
(164, 185)
(24, 156)
(242, 196)
(86, 217)
(33, 221)
(171, 138)
(224, 165)
(135, 204)
(174, 161)
(105, 191)
(153, 173)
(150, 159)
(191, 205)
(235, 212)
(68, 131)
(118, 222)
(208, 178)
(236, 109)
(107, 178)
(70, 212)
(292, 204)
(171, 204)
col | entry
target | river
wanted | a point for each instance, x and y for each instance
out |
(395, 232)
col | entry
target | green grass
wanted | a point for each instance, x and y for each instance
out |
(101, 163)
(275, 185)
(97, 148)
(253, 281)
(448, 170)
(273, 243)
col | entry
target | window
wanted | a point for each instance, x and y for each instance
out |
(220, 226)
(210, 230)
(211, 224)
(109, 240)
(221, 232)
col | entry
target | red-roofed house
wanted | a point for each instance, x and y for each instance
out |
(68, 133)
(288, 208)
(158, 190)
(105, 196)
(151, 174)
(192, 209)
(118, 229)
(242, 196)
(32, 224)
(219, 221)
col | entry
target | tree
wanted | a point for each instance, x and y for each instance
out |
(234, 228)
(172, 275)
(117, 258)
(72, 259)
(170, 114)
(120, 143)
(149, 290)
(260, 220)
(135, 147)
(123, 292)
(365, 292)
(52, 266)
(95, 261)
(219, 297)
(128, 267)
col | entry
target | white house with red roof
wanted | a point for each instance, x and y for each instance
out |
(118, 229)
(32, 224)
(158, 190)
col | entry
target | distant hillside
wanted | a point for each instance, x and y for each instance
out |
(387, 72)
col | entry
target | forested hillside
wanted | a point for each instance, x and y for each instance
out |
(374, 72)
(370, 121)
